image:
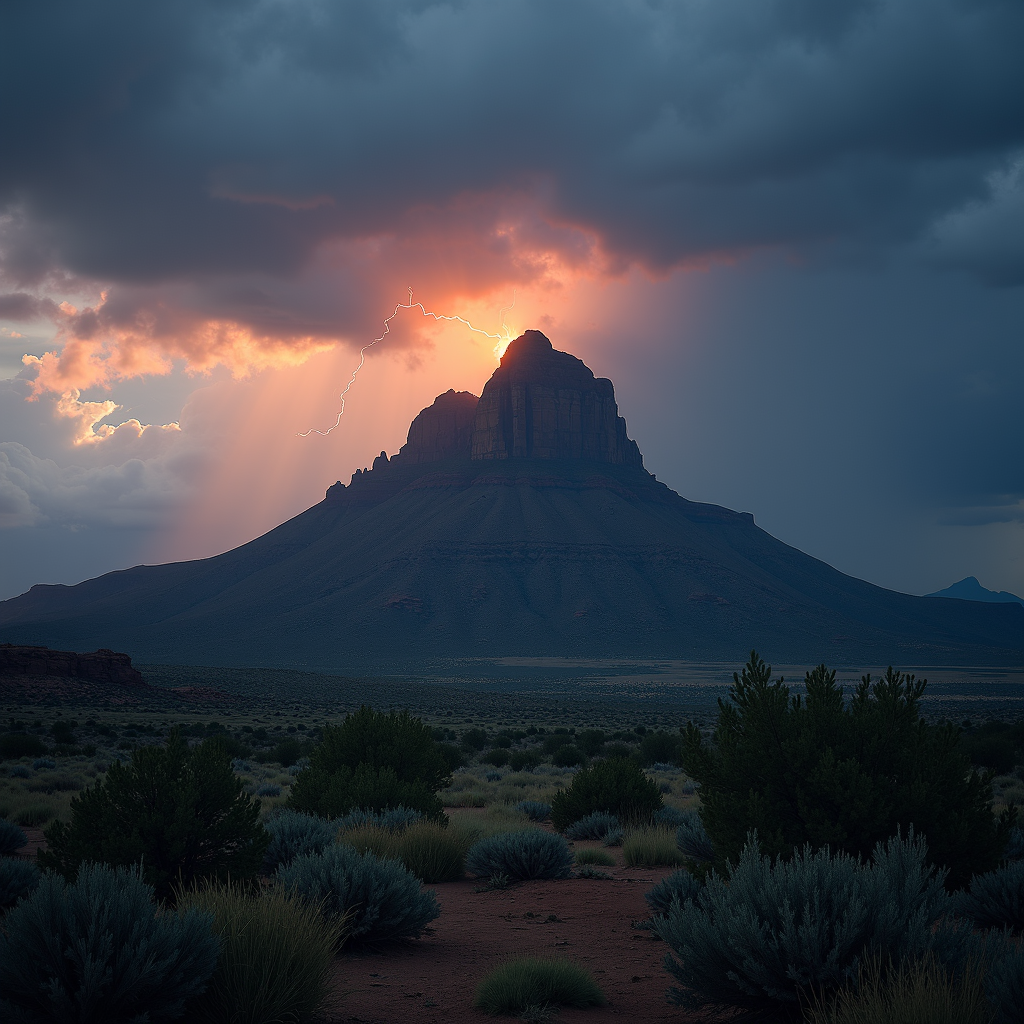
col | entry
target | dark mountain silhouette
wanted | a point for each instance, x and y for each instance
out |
(522, 524)
(969, 589)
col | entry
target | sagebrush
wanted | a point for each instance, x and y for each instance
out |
(380, 898)
(519, 856)
(98, 951)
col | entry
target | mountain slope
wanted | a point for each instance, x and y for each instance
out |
(969, 589)
(522, 524)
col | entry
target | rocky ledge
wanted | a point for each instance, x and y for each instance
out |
(101, 666)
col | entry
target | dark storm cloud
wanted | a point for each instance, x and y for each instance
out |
(150, 142)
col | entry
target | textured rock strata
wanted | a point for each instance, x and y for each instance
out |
(441, 430)
(544, 404)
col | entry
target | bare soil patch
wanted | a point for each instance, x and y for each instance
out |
(433, 979)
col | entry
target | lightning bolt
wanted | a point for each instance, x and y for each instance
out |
(502, 340)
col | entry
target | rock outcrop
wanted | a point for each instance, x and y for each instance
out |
(544, 404)
(102, 666)
(441, 430)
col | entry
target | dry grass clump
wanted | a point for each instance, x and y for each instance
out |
(589, 855)
(432, 852)
(275, 959)
(652, 848)
(916, 992)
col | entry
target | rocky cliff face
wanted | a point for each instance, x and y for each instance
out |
(442, 429)
(102, 666)
(544, 404)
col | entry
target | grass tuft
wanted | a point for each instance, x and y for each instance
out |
(920, 991)
(430, 851)
(529, 984)
(275, 958)
(591, 856)
(652, 848)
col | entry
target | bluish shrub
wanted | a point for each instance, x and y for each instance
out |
(1004, 984)
(493, 776)
(680, 886)
(689, 787)
(521, 856)
(534, 810)
(97, 951)
(383, 897)
(617, 785)
(692, 838)
(43, 762)
(770, 933)
(670, 817)
(293, 834)
(1015, 844)
(995, 899)
(17, 879)
(393, 818)
(268, 789)
(12, 838)
(614, 837)
(19, 771)
(593, 826)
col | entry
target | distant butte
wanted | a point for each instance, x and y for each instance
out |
(519, 524)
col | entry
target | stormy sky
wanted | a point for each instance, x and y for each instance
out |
(792, 233)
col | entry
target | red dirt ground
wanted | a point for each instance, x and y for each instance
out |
(432, 980)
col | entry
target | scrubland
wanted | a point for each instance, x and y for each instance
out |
(827, 857)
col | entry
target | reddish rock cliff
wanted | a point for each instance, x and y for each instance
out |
(102, 666)
(544, 404)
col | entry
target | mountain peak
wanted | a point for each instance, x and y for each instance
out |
(541, 403)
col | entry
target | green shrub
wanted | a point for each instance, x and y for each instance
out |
(63, 732)
(617, 785)
(552, 744)
(568, 756)
(591, 741)
(34, 815)
(769, 934)
(534, 810)
(19, 744)
(844, 774)
(528, 985)
(381, 898)
(499, 756)
(693, 839)
(98, 951)
(292, 834)
(995, 899)
(373, 761)
(454, 756)
(275, 960)
(287, 752)
(474, 739)
(588, 855)
(917, 992)
(651, 848)
(520, 856)
(12, 838)
(18, 878)
(678, 887)
(660, 748)
(432, 852)
(180, 812)
(366, 788)
(524, 760)
(593, 826)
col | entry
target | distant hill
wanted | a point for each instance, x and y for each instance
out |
(519, 524)
(969, 589)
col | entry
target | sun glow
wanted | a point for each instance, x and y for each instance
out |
(502, 340)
